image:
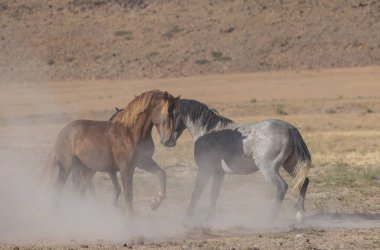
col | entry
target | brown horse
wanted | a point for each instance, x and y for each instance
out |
(143, 159)
(110, 146)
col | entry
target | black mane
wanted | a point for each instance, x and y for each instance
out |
(198, 111)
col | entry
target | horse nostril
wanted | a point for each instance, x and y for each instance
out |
(169, 144)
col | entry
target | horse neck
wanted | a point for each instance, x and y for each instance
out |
(142, 128)
(197, 130)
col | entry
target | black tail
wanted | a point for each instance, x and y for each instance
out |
(303, 153)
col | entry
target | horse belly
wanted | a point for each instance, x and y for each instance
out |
(239, 165)
(98, 162)
(95, 156)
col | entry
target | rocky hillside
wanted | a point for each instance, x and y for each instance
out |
(49, 40)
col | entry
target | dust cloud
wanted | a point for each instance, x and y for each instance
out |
(28, 214)
(27, 208)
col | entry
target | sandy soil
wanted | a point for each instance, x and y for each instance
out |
(337, 112)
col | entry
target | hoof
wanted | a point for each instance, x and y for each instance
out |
(209, 219)
(155, 204)
(299, 217)
(188, 221)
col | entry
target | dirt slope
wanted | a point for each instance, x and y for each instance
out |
(43, 40)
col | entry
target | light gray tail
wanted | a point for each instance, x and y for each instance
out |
(303, 160)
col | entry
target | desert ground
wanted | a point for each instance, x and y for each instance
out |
(314, 64)
(336, 110)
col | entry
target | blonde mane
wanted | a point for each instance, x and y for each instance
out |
(129, 116)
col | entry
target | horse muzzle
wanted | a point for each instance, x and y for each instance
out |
(169, 143)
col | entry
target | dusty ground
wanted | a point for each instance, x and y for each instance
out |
(46, 46)
(337, 112)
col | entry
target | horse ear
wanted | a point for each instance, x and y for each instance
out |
(118, 110)
(177, 98)
(166, 95)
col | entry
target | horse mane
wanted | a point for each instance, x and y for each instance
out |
(130, 114)
(200, 112)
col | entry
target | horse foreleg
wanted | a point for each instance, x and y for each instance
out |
(78, 177)
(89, 175)
(116, 187)
(151, 166)
(127, 181)
(203, 176)
(215, 191)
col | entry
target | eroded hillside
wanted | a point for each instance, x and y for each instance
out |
(44, 40)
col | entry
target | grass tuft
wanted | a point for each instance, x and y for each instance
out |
(123, 33)
(202, 61)
(218, 56)
(172, 32)
(280, 109)
(369, 111)
(371, 176)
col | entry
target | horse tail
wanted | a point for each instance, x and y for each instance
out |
(50, 170)
(303, 160)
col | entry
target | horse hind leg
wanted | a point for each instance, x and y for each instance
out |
(271, 174)
(87, 186)
(81, 177)
(301, 200)
(116, 187)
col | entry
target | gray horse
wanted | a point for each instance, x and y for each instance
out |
(222, 146)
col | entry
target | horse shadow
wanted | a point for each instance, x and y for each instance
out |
(350, 220)
(227, 145)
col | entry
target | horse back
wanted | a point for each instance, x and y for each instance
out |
(97, 144)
